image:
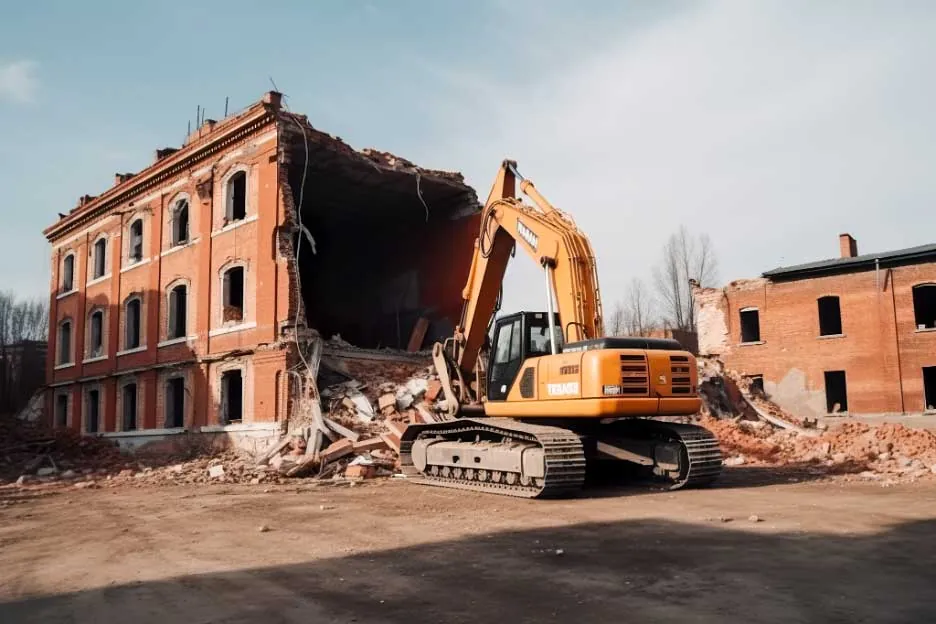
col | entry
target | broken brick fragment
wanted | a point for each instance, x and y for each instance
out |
(371, 444)
(396, 428)
(392, 441)
(386, 402)
(434, 390)
(360, 471)
(337, 450)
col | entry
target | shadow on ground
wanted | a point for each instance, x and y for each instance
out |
(629, 571)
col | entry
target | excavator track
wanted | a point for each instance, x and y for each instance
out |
(703, 453)
(563, 457)
(700, 461)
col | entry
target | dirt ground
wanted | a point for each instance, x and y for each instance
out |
(823, 551)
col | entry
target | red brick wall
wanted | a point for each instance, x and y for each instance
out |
(213, 245)
(882, 359)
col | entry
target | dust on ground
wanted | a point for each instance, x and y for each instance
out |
(755, 548)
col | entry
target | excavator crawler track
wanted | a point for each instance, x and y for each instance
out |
(701, 456)
(563, 456)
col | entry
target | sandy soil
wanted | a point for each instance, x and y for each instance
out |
(396, 552)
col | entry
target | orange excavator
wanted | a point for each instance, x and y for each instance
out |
(534, 399)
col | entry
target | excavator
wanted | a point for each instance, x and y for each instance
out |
(535, 400)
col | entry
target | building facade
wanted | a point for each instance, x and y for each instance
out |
(187, 296)
(854, 334)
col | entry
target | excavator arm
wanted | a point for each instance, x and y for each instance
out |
(533, 421)
(552, 239)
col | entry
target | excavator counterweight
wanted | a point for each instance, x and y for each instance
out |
(536, 398)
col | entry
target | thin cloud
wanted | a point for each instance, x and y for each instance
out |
(770, 126)
(18, 82)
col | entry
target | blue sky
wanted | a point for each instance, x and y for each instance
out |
(770, 126)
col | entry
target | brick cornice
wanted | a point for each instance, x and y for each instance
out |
(251, 121)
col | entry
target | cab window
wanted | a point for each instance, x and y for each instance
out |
(538, 336)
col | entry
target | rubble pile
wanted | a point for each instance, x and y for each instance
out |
(28, 448)
(727, 393)
(755, 431)
(33, 454)
(365, 410)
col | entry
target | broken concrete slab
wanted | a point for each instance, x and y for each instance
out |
(216, 472)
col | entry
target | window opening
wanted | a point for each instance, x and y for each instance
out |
(61, 410)
(68, 273)
(237, 197)
(177, 310)
(924, 306)
(100, 257)
(136, 241)
(97, 334)
(233, 295)
(129, 407)
(132, 337)
(180, 223)
(64, 355)
(836, 392)
(232, 396)
(830, 316)
(175, 402)
(750, 326)
(929, 388)
(94, 411)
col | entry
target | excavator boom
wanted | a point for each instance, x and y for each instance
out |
(552, 239)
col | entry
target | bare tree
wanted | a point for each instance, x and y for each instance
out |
(21, 370)
(635, 314)
(616, 325)
(639, 309)
(685, 257)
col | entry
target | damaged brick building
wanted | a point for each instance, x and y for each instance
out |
(188, 296)
(853, 334)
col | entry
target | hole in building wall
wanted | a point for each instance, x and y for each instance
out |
(757, 385)
(232, 396)
(929, 388)
(750, 326)
(381, 260)
(924, 306)
(830, 316)
(836, 392)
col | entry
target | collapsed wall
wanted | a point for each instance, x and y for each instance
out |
(379, 243)
(754, 430)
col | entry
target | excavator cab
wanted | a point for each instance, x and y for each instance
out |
(518, 337)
